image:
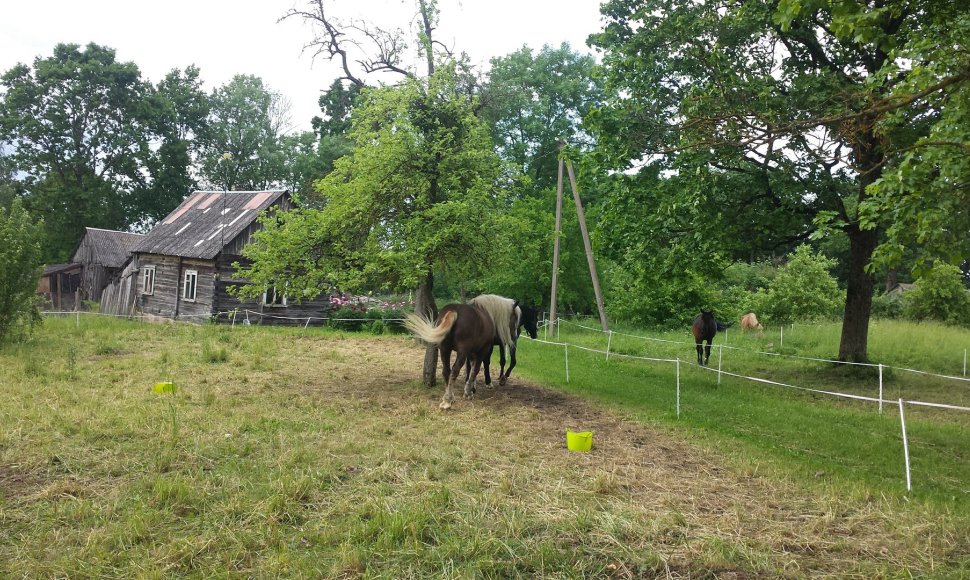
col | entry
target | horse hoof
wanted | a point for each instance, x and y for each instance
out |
(444, 406)
(502, 381)
(488, 385)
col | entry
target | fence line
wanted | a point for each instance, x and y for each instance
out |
(792, 356)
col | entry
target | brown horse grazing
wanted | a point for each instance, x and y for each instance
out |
(704, 329)
(750, 322)
(467, 330)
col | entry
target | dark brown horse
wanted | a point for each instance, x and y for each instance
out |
(468, 330)
(704, 329)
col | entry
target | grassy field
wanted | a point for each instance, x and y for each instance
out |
(314, 453)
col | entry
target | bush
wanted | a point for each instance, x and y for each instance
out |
(347, 318)
(20, 270)
(803, 290)
(939, 295)
(887, 306)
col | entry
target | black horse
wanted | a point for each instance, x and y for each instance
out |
(704, 329)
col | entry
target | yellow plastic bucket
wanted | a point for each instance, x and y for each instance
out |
(164, 387)
(579, 441)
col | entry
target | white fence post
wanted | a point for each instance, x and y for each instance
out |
(964, 362)
(880, 388)
(609, 342)
(678, 387)
(566, 350)
(720, 351)
(781, 339)
(902, 422)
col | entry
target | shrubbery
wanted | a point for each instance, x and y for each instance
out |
(20, 269)
(939, 295)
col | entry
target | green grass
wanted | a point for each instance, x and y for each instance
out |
(292, 453)
(810, 436)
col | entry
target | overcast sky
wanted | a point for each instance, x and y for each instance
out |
(228, 37)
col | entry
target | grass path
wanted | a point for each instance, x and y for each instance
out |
(315, 455)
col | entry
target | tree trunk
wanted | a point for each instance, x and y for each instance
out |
(858, 297)
(424, 305)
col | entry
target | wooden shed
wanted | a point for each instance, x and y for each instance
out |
(102, 254)
(184, 265)
(60, 286)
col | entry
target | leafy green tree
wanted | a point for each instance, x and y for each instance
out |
(939, 295)
(793, 99)
(803, 290)
(535, 101)
(246, 120)
(77, 122)
(178, 112)
(20, 270)
(417, 194)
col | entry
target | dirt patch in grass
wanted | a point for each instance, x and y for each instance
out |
(17, 483)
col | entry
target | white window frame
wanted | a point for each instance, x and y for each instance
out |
(148, 280)
(281, 298)
(192, 275)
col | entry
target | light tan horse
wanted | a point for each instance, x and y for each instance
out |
(749, 322)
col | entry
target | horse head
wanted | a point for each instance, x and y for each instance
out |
(530, 320)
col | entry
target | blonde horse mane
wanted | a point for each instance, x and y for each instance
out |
(503, 312)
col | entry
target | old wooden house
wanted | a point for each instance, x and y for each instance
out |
(102, 254)
(182, 269)
(60, 286)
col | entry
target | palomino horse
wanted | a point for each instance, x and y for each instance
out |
(704, 329)
(468, 330)
(509, 318)
(750, 322)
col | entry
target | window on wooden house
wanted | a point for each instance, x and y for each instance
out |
(274, 297)
(148, 280)
(189, 285)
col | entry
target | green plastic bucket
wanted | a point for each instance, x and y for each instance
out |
(165, 387)
(579, 441)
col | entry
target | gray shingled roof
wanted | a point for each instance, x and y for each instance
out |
(205, 221)
(111, 248)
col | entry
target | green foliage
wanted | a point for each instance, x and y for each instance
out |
(417, 194)
(80, 127)
(246, 119)
(20, 268)
(887, 305)
(939, 295)
(803, 290)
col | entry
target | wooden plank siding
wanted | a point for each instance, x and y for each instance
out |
(293, 314)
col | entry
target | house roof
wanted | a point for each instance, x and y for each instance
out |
(206, 221)
(57, 268)
(111, 248)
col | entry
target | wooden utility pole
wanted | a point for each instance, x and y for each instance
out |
(553, 321)
(589, 248)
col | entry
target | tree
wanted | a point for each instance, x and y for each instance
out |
(20, 269)
(78, 125)
(792, 97)
(179, 108)
(535, 102)
(246, 120)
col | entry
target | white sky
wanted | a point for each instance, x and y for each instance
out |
(228, 37)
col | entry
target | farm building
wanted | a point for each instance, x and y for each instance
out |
(60, 286)
(182, 269)
(102, 254)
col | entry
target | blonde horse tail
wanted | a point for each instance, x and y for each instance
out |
(424, 329)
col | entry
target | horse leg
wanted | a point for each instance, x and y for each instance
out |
(707, 353)
(700, 352)
(477, 367)
(502, 378)
(460, 359)
(486, 363)
(508, 373)
(446, 371)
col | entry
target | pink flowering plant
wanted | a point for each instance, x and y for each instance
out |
(365, 313)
